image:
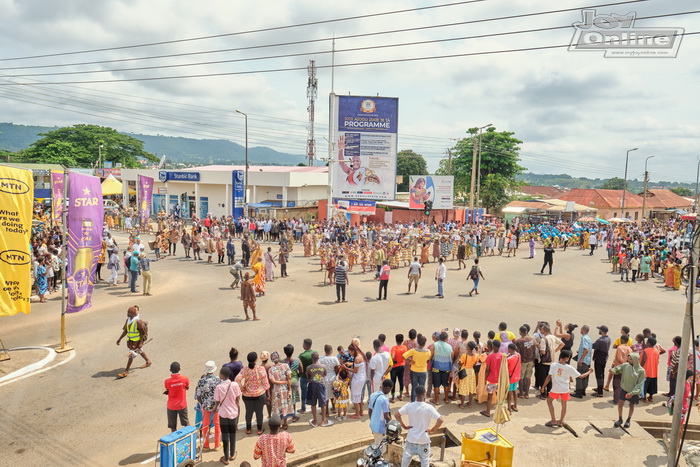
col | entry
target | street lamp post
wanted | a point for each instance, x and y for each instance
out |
(624, 185)
(474, 168)
(245, 188)
(646, 180)
(697, 179)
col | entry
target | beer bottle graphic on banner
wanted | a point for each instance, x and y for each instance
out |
(82, 265)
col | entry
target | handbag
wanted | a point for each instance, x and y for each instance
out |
(462, 373)
(547, 357)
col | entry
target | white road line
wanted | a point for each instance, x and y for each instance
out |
(24, 374)
(34, 366)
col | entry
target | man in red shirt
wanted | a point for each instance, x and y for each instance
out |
(176, 389)
(492, 367)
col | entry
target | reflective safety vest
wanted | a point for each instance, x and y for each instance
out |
(132, 331)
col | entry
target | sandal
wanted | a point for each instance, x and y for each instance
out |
(483, 412)
(550, 425)
(247, 432)
(354, 417)
(146, 365)
(513, 408)
(223, 460)
(122, 375)
(260, 432)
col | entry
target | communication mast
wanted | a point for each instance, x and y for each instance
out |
(311, 93)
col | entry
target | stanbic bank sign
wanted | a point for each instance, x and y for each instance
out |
(165, 176)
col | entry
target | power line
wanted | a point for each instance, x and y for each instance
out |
(326, 39)
(276, 28)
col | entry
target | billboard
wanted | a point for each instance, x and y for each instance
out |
(363, 207)
(238, 181)
(436, 188)
(365, 138)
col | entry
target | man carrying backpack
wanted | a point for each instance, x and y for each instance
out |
(474, 274)
(136, 333)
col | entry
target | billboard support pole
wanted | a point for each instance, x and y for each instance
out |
(331, 146)
(64, 259)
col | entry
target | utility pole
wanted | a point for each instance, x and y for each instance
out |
(473, 179)
(311, 94)
(624, 185)
(646, 181)
(449, 161)
(686, 343)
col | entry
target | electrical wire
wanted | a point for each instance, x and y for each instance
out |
(326, 39)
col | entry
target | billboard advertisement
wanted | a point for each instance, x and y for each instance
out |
(145, 200)
(365, 138)
(363, 207)
(57, 200)
(436, 188)
(238, 181)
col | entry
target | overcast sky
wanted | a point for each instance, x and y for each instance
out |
(576, 112)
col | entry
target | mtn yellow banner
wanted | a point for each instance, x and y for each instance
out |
(16, 203)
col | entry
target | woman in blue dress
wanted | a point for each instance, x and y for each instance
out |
(41, 281)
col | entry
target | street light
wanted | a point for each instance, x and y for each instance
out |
(474, 164)
(646, 180)
(624, 186)
(245, 189)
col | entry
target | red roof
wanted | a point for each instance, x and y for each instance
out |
(544, 191)
(666, 199)
(602, 199)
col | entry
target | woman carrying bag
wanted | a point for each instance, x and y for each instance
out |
(254, 386)
(227, 396)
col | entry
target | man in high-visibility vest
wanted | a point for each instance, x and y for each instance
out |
(136, 334)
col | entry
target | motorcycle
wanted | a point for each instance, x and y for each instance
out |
(373, 456)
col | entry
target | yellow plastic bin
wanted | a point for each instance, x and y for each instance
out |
(487, 447)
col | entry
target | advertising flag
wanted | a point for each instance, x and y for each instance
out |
(85, 217)
(438, 189)
(145, 200)
(365, 139)
(57, 199)
(16, 204)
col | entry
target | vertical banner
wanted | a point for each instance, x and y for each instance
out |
(145, 201)
(436, 188)
(366, 140)
(57, 199)
(85, 217)
(238, 189)
(16, 204)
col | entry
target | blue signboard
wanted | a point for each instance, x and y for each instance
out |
(238, 182)
(158, 204)
(203, 207)
(165, 176)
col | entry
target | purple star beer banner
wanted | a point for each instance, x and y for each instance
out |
(85, 217)
(57, 196)
(145, 200)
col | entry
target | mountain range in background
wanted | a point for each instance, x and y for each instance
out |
(177, 150)
(194, 152)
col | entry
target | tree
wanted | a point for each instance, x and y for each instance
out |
(497, 191)
(79, 146)
(682, 191)
(615, 183)
(408, 163)
(499, 156)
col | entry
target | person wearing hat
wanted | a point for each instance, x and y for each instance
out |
(176, 388)
(601, 348)
(145, 271)
(204, 393)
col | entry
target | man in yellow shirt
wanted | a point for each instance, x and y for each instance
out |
(418, 358)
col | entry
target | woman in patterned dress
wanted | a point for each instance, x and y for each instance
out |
(259, 279)
(281, 390)
(405, 254)
(294, 365)
(306, 240)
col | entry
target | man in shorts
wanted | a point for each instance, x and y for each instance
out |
(414, 275)
(316, 391)
(527, 348)
(631, 384)
(136, 333)
(559, 374)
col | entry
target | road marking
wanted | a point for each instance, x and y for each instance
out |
(35, 368)
(151, 459)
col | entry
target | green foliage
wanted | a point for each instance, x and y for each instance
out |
(409, 163)
(78, 146)
(682, 191)
(614, 183)
(499, 156)
(497, 191)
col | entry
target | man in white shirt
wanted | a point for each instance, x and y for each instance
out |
(418, 432)
(378, 365)
(592, 242)
(414, 275)
(440, 274)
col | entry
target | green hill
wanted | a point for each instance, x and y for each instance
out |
(184, 150)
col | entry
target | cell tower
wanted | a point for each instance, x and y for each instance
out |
(311, 93)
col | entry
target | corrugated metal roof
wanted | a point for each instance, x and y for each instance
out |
(260, 168)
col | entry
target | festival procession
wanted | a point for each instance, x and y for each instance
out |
(201, 264)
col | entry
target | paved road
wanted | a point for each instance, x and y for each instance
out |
(79, 414)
